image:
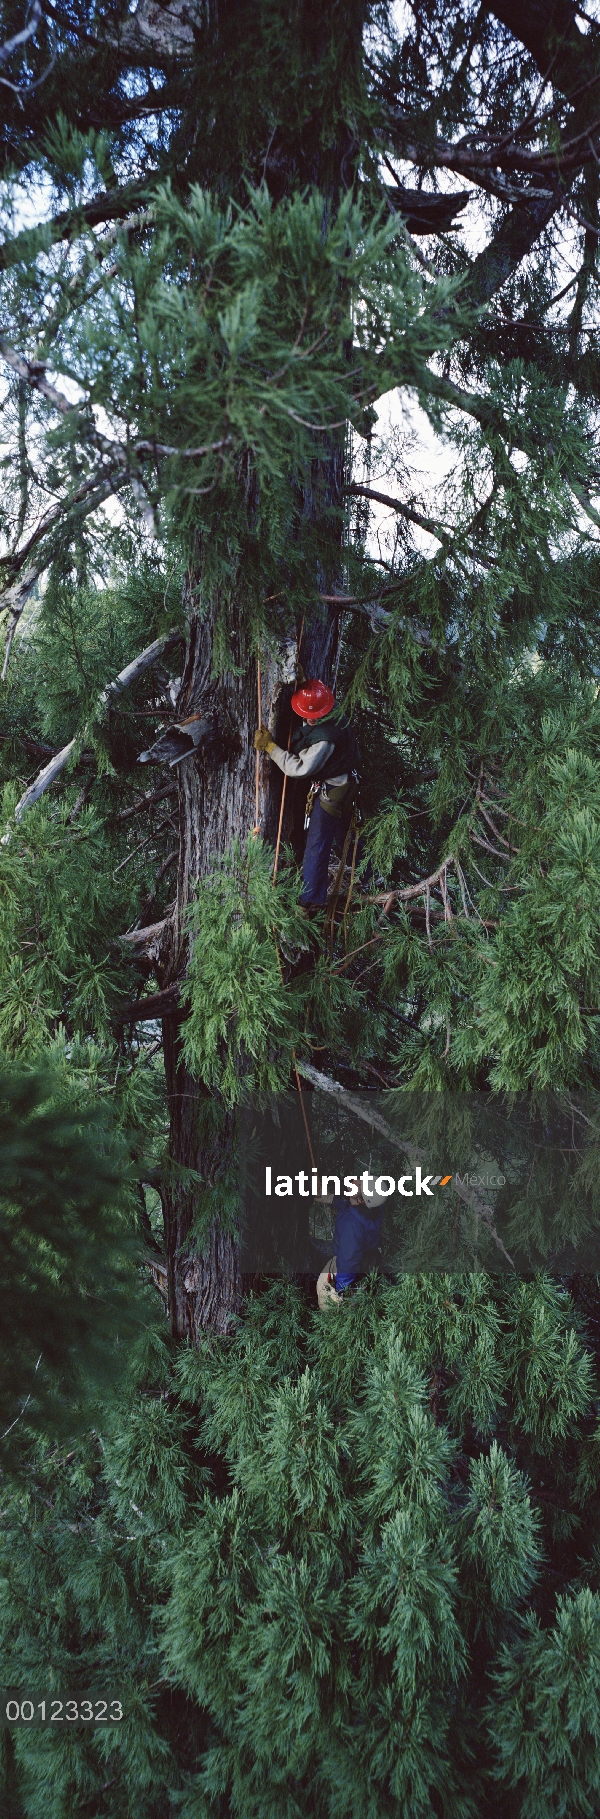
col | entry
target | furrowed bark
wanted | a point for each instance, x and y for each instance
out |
(216, 807)
(512, 242)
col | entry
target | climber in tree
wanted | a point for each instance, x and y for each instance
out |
(356, 1239)
(326, 750)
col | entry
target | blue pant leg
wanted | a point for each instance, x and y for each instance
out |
(322, 830)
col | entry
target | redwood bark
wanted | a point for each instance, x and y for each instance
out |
(217, 785)
(217, 805)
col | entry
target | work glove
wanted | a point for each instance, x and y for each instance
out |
(263, 741)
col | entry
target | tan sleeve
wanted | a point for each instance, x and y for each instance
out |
(303, 763)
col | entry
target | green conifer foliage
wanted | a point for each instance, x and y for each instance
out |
(316, 1592)
(333, 1567)
(241, 1014)
(545, 1721)
(71, 1293)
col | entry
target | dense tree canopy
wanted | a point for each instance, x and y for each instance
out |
(201, 310)
(261, 265)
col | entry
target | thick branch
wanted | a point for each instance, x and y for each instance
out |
(404, 511)
(549, 31)
(478, 166)
(34, 374)
(140, 938)
(570, 59)
(94, 491)
(426, 211)
(449, 539)
(159, 33)
(491, 418)
(29, 30)
(511, 243)
(408, 891)
(124, 680)
(109, 205)
(14, 597)
(145, 1010)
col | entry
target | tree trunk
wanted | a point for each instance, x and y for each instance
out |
(217, 798)
(217, 805)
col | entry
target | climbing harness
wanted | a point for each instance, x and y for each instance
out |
(313, 791)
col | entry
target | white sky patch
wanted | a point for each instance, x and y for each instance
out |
(26, 204)
(404, 429)
(427, 462)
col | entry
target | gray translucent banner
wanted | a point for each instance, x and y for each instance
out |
(470, 1181)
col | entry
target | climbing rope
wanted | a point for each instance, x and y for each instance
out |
(295, 1063)
(353, 829)
(282, 804)
(256, 828)
(256, 831)
(352, 871)
(303, 1110)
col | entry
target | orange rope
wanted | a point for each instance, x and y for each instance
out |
(295, 1065)
(276, 863)
(299, 1086)
(256, 828)
(282, 805)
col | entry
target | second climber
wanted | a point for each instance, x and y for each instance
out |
(325, 750)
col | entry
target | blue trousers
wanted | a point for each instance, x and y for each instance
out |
(323, 832)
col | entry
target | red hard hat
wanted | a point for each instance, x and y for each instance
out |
(313, 700)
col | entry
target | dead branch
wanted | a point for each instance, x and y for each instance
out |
(13, 602)
(342, 964)
(158, 1271)
(113, 689)
(29, 30)
(106, 206)
(166, 449)
(459, 874)
(34, 374)
(325, 1084)
(432, 525)
(119, 464)
(147, 801)
(145, 937)
(479, 841)
(495, 830)
(81, 799)
(100, 484)
(496, 806)
(448, 917)
(466, 160)
(408, 891)
(15, 597)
